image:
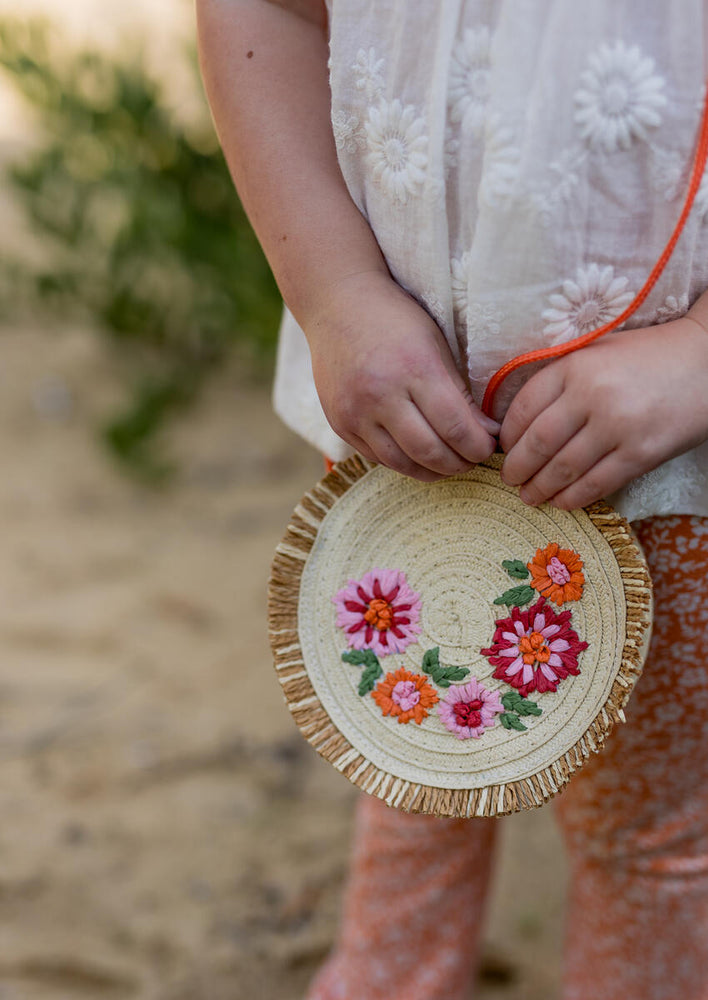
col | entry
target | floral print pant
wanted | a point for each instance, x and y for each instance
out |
(634, 820)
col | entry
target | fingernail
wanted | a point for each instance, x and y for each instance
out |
(525, 498)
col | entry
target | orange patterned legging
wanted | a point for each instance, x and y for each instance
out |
(635, 822)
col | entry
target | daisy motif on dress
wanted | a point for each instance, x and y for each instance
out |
(483, 321)
(367, 70)
(561, 187)
(619, 97)
(589, 302)
(398, 149)
(666, 171)
(347, 134)
(468, 90)
(501, 165)
(673, 308)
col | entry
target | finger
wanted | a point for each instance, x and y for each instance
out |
(418, 440)
(361, 446)
(572, 461)
(542, 441)
(388, 453)
(455, 419)
(611, 473)
(532, 399)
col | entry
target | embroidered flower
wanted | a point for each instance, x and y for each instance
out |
(468, 709)
(367, 70)
(673, 308)
(535, 648)
(379, 612)
(398, 148)
(619, 98)
(561, 186)
(593, 299)
(405, 695)
(667, 166)
(468, 91)
(501, 165)
(557, 574)
(347, 133)
(483, 321)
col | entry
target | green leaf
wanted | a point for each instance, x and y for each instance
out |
(516, 596)
(442, 676)
(511, 721)
(514, 702)
(360, 657)
(515, 568)
(431, 660)
(369, 678)
(529, 708)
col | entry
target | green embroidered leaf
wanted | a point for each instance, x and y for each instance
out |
(529, 708)
(514, 702)
(360, 657)
(442, 676)
(516, 596)
(446, 675)
(511, 721)
(364, 658)
(516, 569)
(369, 678)
(431, 660)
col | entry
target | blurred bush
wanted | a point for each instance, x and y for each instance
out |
(144, 233)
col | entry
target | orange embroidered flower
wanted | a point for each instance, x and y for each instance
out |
(557, 574)
(406, 695)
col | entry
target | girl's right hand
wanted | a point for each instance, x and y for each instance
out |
(388, 383)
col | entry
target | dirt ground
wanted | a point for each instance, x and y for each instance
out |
(167, 833)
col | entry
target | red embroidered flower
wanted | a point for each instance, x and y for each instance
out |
(534, 649)
(406, 695)
(556, 574)
(379, 612)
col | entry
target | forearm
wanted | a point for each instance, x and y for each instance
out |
(265, 72)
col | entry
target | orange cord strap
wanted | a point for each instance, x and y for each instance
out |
(587, 338)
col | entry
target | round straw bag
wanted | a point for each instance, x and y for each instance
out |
(448, 648)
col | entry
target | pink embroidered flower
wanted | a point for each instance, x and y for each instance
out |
(468, 709)
(379, 612)
(535, 648)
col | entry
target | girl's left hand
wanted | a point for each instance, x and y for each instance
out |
(588, 423)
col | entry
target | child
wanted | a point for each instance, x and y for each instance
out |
(474, 179)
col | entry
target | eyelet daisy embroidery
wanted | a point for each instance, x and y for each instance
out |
(619, 98)
(535, 649)
(469, 78)
(380, 612)
(367, 71)
(673, 308)
(593, 299)
(501, 165)
(405, 695)
(398, 149)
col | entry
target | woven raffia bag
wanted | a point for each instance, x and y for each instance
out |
(448, 648)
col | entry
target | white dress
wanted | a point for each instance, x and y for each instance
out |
(522, 164)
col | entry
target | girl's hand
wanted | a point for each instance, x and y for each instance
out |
(589, 423)
(388, 383)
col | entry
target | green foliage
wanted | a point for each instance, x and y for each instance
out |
(442, 676)
(145, 232)
(364, 658)
(516, 597)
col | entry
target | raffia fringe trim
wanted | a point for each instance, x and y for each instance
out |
(318, 729)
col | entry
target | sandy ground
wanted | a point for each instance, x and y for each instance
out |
(167, 832)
